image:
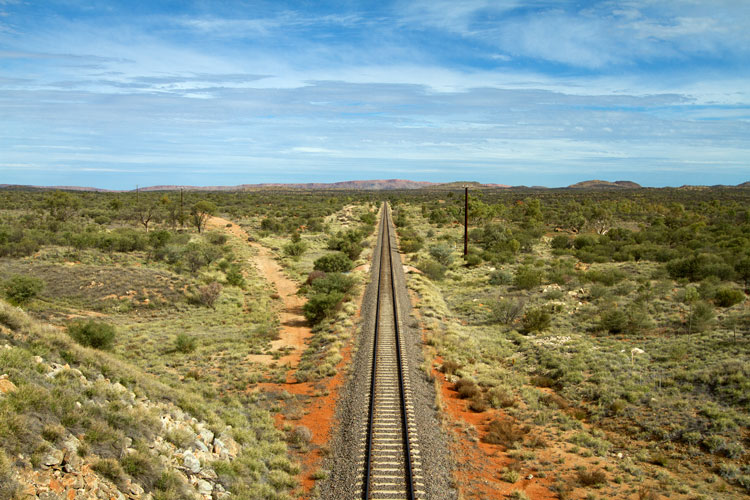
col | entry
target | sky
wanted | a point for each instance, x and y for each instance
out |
(116, 94)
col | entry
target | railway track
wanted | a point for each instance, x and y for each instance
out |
(391, 464)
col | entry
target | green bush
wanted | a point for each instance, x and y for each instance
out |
(527, 278)
(184, 343)
(333, 282)
(537, 319)
(295, 249)
(561, 242)
(333, 263)
(442, 253)
(700, 317)
(321, 305)
(21, 289)
(433, 270)
(727, 297)
(613, 320)
(92, 333)
(500, 277)
(472, 260)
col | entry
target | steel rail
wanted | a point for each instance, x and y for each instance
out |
(386, 258)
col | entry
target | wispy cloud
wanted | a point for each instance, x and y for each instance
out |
(492, 88)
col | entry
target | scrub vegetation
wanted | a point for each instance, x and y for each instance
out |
(611, 326)
(138, 291)
(602, 335)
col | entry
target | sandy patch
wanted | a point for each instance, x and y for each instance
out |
(294, 331)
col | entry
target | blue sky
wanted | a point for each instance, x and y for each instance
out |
(537, 92)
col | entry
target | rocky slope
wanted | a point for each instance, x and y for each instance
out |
(78, 423)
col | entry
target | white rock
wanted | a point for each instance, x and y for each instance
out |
(198, 445)
(191, 463)
(204, 487)
(206, 435)
(53, 458)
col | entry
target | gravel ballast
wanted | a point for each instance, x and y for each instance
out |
(347, 444)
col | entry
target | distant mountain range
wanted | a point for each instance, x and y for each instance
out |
(373, 185)
(597, 184)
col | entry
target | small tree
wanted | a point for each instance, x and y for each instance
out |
(20, 289)
(201, 212)
(208, 294)
(333, 263)
(60, 205)
(92, 333)
(144, 213)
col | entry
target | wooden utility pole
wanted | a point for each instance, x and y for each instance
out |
(182, 216)
(466, 221)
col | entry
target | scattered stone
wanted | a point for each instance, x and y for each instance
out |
(206, 435)
(198, 445)
(53, 458)
(191, 463)
(136, 489)
(6, 385)
(204, 487)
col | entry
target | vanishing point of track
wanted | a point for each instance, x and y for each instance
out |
(391, 463)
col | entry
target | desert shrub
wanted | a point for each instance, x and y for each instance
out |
(500, 397)
(527, 278)
(504, 433)
(333, 282)
(727, 297)
(300, 437)
(295, 249)
(472, 260)
(234, 277)
(450, 367)
(20, 289)
(594, 478)
(584, 241)
(142, 467)
(506, 311)
(208, 294)
(111, 469)
(700, 317)
(500, 277)
(333, 263)
(442, 253)
(639, 318)
(607, 276)
(700, 266)
(536, 319)
(467, 388)
(321, 305)
(410, 245)
(613, 320)
(561, 242)
(478, 404)
(433, 270)
(216, 238)
(91, 333)
(184, 343)
(368, 218)
(510, 475)
(409, 240)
